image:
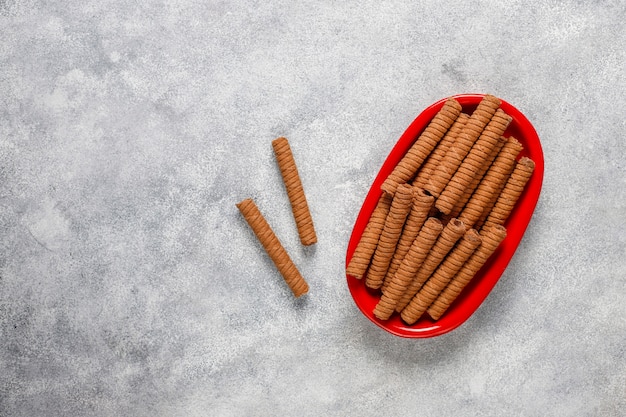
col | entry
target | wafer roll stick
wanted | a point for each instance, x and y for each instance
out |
(295, 192)
(440, 278)
(511, 192)
(273, 247)
(434, 159)
(422, 202)
(423, 146)
(462, 145)
(410, 264)
(451, 233)
(400, 207)
(486, 194)
(473, 162)
(467, 194)
(491, 238)
(366, 247)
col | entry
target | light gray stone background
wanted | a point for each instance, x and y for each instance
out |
(131, 286)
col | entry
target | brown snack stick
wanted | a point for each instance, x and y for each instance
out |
(486, 194)
(273, 247)
(400, 207)
(451, 233)
(422, 202)
(440, 278)
(464, 141)
(492, 236)
(410, 264)
(511, 192)
(473, 162)
(295, 192)
(366, 247)
(434, 159)
(423, 146)
(467, 194)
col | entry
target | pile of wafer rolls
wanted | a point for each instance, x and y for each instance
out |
(442, 211)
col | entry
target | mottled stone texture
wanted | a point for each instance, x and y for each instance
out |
(130, 285)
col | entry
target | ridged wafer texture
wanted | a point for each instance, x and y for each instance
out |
(434, 159)
(400, 207)
(441, 277)
(450, 234)
(422, 202)
(486, 194)
(423, 146)
(295, 191)
(511, 192)
(273, 247)
(467, 194)
(366, 247)
(491, 238)
(406, 271)
(462, 145)
(473, 162)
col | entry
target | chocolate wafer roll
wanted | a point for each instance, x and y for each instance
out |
(273, 247)
(511, 192)
(410, 264)
(486, 194)
(464, 141)
(422, 202)
(440, 278)
(473, 162)
(423, 146)
(434, 159)
(400, 207)
(451, 233)
(491, 238)
(295, 192)
(366, 247)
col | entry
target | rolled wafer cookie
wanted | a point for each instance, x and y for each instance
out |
(491, 238)
(410, 264)
(462, 145)
(451, 233)
(400, 207)
(422, 202)
(295, 191)
(486, 194)
(434, 159)
(473, 162)
(511, 192)
(440, 278)
(273, 247)
(366, 247)
(423, 146)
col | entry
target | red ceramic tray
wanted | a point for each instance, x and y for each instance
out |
(481, 285)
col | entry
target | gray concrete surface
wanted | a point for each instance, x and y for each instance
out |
(131, 286)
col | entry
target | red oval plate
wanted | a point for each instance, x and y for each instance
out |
(481, 285)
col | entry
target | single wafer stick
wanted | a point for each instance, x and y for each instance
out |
(423, 146)
(462, 145)
(451, 233)
(366, 247)
(440, 278)
(467, 194)
(491, 238)
(422, 202)
(410, 264)
(273, 247)
(295, 192)
(511, 192)
(434, 159)
(473, 162)
(486, 194)
(400, 207)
